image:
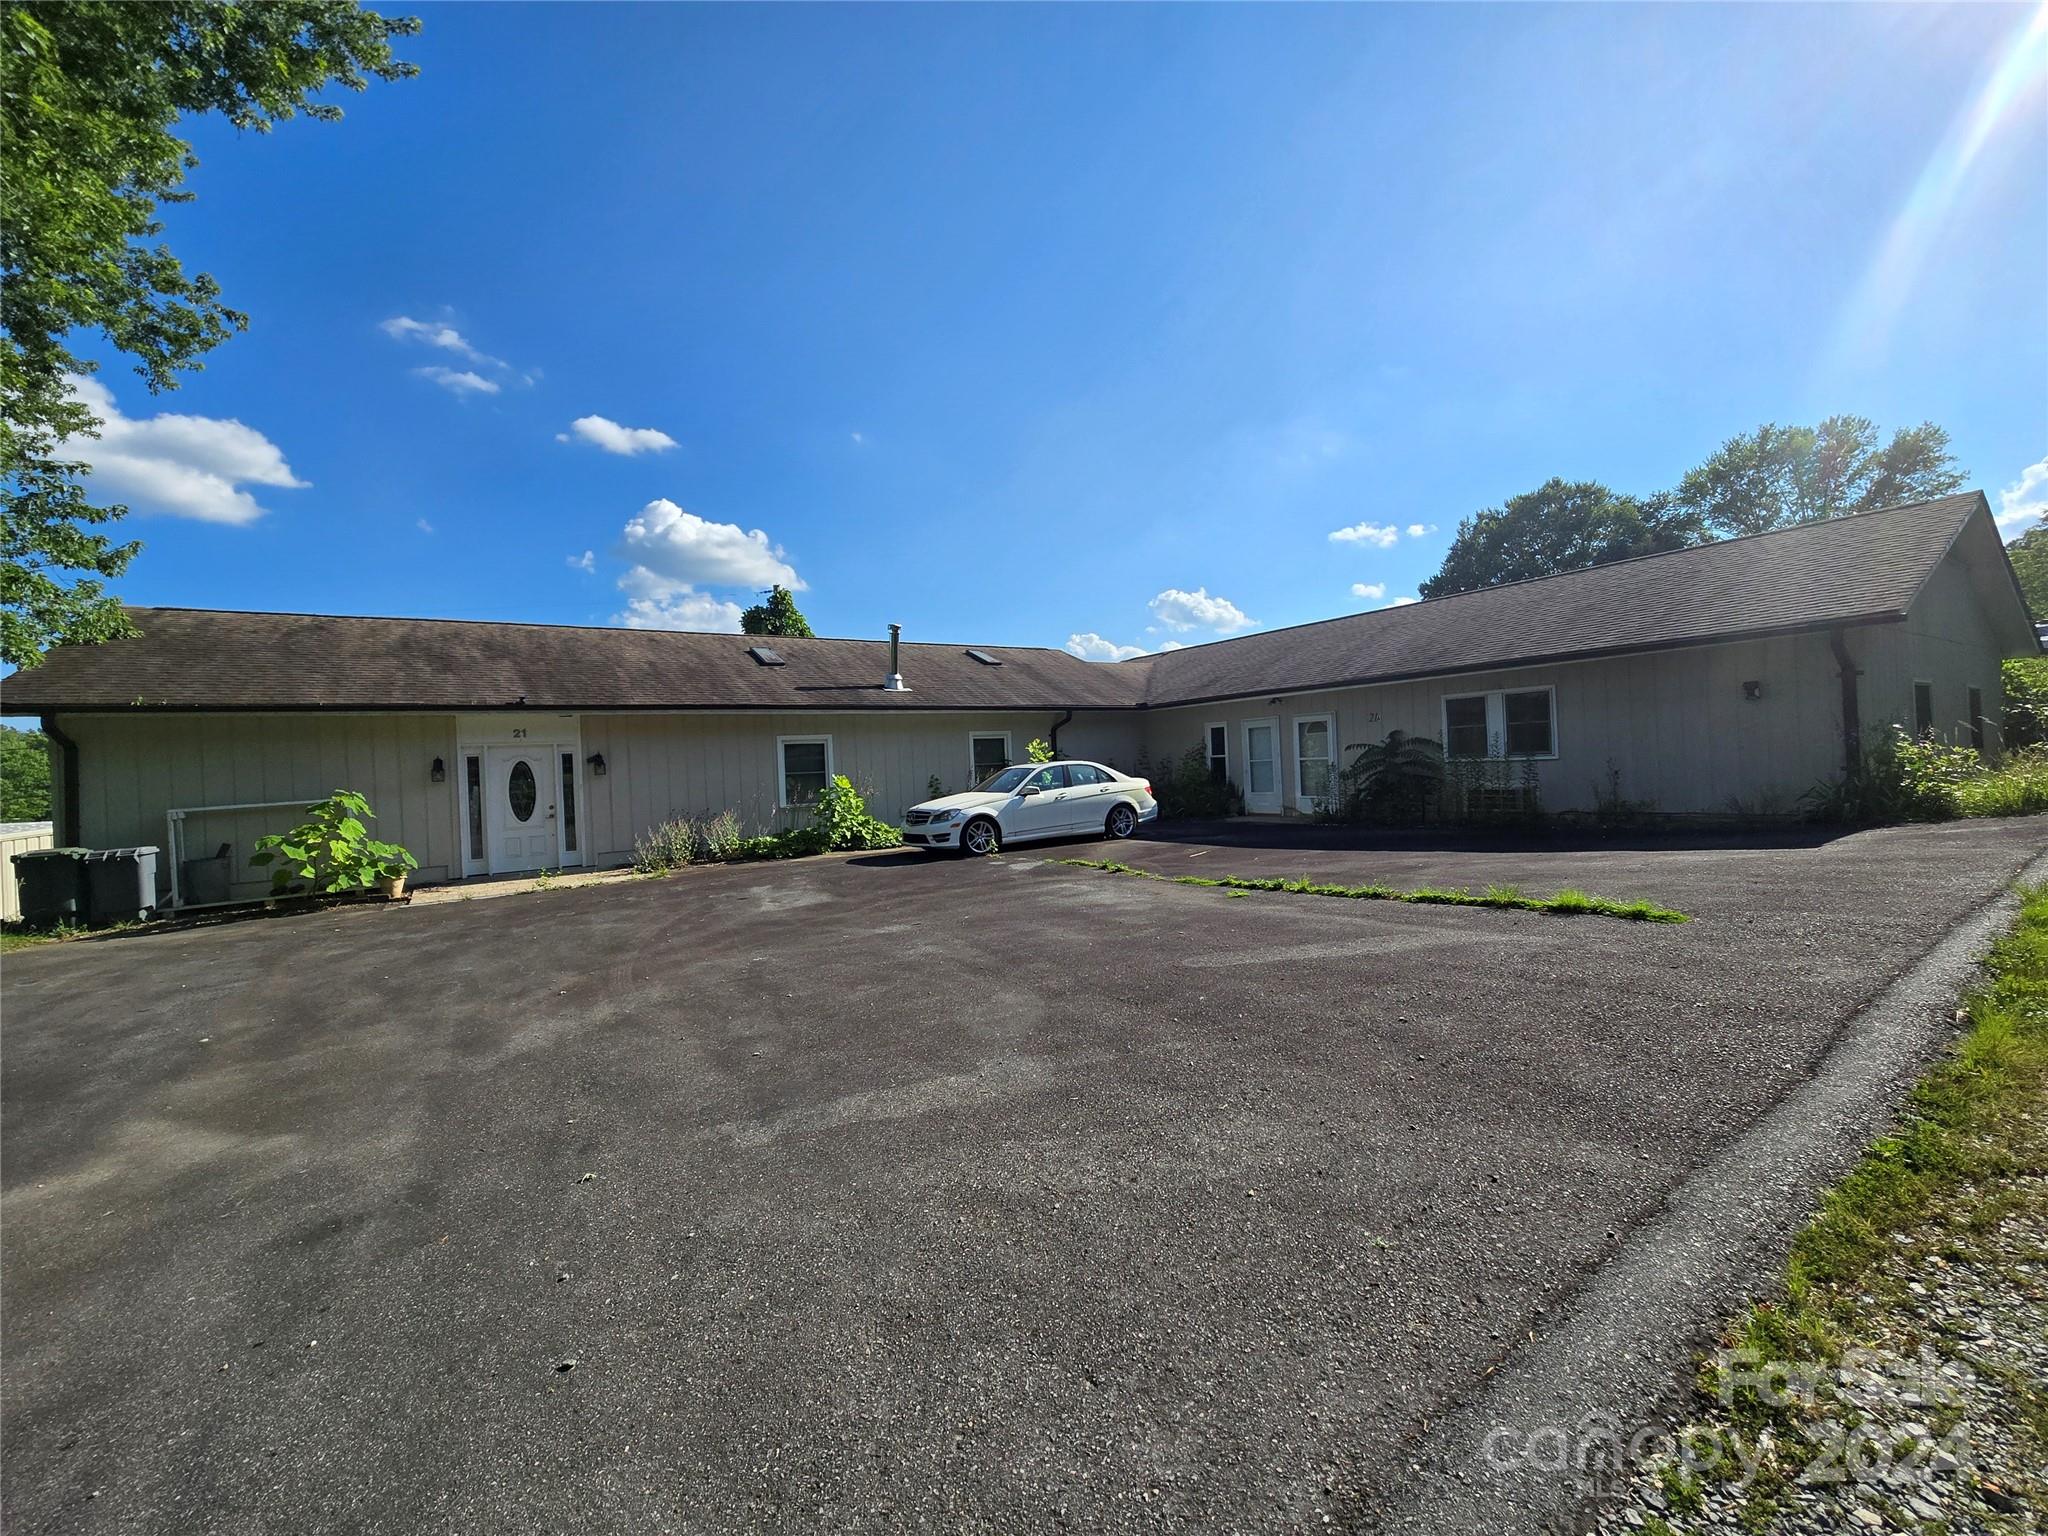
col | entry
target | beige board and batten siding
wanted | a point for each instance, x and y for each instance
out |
(18, 837)
(132, 769)
(663, 765)
(1674, 728)
(1946, 642)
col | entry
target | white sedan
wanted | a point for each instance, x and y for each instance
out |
(1064, 799)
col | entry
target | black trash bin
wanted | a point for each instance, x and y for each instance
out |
(52, 886)
(120, 884)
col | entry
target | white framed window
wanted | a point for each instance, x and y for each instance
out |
(1216, 746)
(1505, 722)
(804, 768)
(1315, 760)
(987, 752)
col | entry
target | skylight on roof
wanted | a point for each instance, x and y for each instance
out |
(766, 656)
(985, 659)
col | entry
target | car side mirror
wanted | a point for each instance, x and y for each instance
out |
(1028, 789)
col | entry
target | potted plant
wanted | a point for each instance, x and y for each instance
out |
(331, 853)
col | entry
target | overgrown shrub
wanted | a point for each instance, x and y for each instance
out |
(1907, 778)
(331, 851)
(2026, 701)
(1186, 789)
(719, 838)
(666, 845)
(1393, 781)
(1038, 751)
(840, 820)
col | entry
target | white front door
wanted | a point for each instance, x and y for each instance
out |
(520, 815)
(1262, 767)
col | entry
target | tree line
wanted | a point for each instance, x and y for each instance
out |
(1774, 477)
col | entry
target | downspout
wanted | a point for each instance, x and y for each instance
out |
(1054, 743)
(1852, 712)
(67, 778)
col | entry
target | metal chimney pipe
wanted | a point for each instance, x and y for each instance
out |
(895, 683)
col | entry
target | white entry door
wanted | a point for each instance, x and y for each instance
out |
(520, 813)
(1262, 767)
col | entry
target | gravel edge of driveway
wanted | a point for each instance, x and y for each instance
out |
(1616, 1358)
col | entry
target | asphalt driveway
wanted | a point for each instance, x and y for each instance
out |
(876, 1193)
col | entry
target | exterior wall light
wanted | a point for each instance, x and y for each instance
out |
(596, 761)
(439, 773)
(1752, 691)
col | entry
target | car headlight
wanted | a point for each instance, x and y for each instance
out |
(952, 815)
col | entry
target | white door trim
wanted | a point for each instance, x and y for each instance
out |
(1302, 802)
(1275, 802)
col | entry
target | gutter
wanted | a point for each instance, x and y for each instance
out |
(1054, 742)
(67, 777)
(1852, 709)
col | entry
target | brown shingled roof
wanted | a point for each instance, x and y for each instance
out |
(1852, 570)
(1849, 570)
(198, 658)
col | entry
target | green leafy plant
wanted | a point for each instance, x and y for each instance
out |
(719, 838)
(1038, 751)
(1907, 778)
(331, 851)
(2025, 681)
(666, 845)
(933, 789)
(1186, 789)
(1394, 779)
(840, 819)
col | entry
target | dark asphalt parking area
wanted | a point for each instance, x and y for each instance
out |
(876, 1193)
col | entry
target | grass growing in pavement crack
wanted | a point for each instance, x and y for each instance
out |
(1566, 902)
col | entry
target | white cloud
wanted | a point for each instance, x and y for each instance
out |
(858, 438)
(423, 525)
(1403, 602)
(187, 466)
(1373, 589)
(613, 438)
(1421, 530)
(1198, 610)
(434, 334)
(654, 602)
(2026, 499)
(585, 562)
(1092, 647)
(1171, 645)
(1366, 533)
(683, 548)
(459, 381)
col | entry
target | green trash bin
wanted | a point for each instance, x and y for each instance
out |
(52, 886)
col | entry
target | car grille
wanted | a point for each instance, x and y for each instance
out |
(916, 818)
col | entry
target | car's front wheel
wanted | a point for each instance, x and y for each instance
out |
(980, 837)
(1123, 821)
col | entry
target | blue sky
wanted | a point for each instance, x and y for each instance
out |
(1016, 324)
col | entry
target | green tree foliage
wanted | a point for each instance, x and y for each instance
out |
(2029, 555)
(90, 93)
(24, 775)
(776, 615)
(1562, 525)
(1770, 478)
(1777, 476)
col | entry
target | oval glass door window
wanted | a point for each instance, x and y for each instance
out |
(521, 790)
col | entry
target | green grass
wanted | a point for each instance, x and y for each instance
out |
(1566, 902)
(15, 936)
(1964, 1129)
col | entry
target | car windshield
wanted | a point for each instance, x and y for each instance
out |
(1002, 783)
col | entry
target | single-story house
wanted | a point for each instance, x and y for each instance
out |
(1732, 675)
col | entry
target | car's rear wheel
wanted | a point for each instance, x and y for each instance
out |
(980, 836)
(1123, 821)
